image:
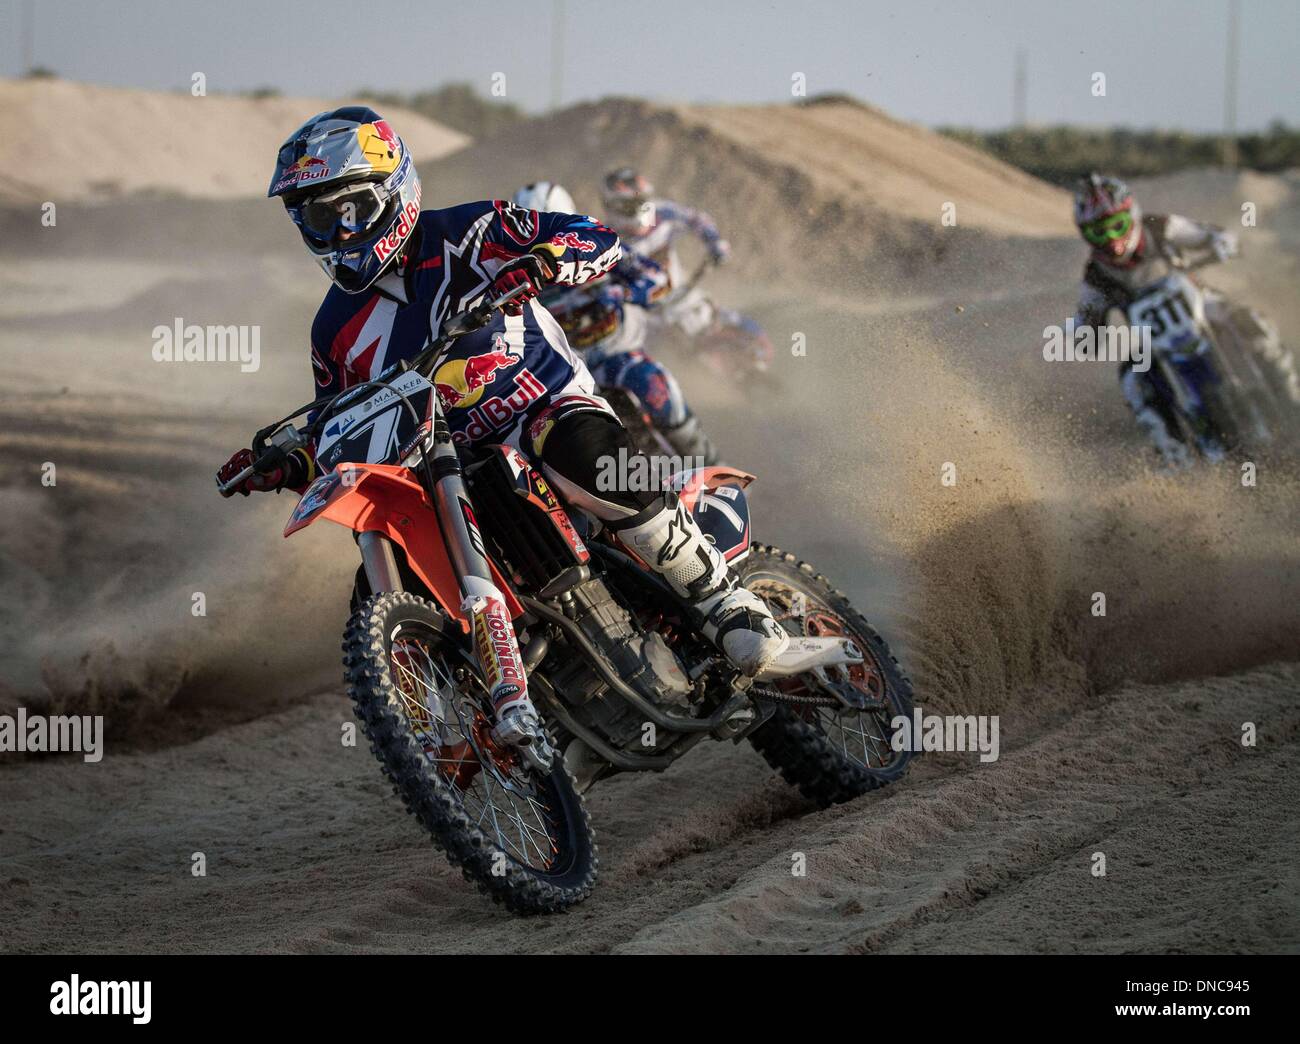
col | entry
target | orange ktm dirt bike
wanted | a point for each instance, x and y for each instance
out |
(476, 583)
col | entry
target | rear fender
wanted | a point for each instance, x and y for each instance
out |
(385, 499)
(715, 496)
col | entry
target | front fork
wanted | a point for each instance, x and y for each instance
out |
(495, 646)
(379, 562)
(482, 603)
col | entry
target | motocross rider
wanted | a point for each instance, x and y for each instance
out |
(606, 320)
(349, 184)
(649, 226)
(1131, 251)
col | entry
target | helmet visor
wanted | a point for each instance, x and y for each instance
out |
(1108, 228)
(329, 220)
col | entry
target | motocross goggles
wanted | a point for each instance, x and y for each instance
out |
(1107, 229)
(331, 219)
(636, 208)
(627, 205)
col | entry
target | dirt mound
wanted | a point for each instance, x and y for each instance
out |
(1218, 194)
(829, 196)
(80, 141)
(850, 152)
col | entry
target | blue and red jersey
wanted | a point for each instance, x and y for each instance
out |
(497, 378)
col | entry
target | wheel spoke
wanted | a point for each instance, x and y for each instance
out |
(858, 737)
(453, 729)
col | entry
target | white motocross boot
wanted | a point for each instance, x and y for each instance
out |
(666, 537)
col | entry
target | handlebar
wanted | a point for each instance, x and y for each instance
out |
(1208, 256)
(284, 437)
(243, 476)
(701, 270)
(676, 293)
(1201, 262)
(471, 320)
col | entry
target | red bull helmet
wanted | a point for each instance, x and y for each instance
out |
(1108, 217)
(545, 196)
(350, 186)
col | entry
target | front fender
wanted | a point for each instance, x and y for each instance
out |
(384, 498)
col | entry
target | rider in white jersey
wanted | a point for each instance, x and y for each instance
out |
(650, 226)
(609, 322)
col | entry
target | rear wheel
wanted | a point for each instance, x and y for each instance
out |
(830, 752)
(522, 837)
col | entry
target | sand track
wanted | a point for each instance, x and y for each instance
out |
(307, 851)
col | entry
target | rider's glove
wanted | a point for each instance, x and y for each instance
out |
(263, 482)
(532, 271)
(720, 251)
(1224, 245)
(294, 472)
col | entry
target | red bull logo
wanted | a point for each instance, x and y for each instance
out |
(573, 241)
(386, 132)
(460, 382)
(304, 169)
(379, 146)
(496, 412)
(384, 249)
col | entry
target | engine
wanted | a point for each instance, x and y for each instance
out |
(641, 659)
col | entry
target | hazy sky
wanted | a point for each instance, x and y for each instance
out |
(934, 61)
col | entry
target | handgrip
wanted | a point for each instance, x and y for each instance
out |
(272, 458)
(234, 483)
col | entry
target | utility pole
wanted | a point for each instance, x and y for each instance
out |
(1020, 88)
(557, 53)
(1230, 86)
(29, 36)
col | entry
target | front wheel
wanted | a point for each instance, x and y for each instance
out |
(830, 753)
(523, 838)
